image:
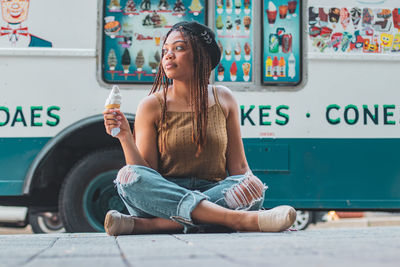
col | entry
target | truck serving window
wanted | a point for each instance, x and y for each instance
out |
(133, 33)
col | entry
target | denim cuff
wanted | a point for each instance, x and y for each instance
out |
(185, 207)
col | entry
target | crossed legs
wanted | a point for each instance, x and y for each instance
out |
(237, 198)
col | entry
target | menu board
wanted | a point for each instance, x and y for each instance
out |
(133, 32)
(233, 26)
(282, 49)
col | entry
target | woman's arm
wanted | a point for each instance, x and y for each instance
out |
(140, 147)
(147, 117)
(235, 157)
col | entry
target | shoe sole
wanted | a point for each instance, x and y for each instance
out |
(108, 223)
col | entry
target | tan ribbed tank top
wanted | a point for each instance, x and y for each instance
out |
(179, 160)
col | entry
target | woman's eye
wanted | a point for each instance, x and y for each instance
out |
(178, 48)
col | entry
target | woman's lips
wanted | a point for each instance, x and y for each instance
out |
(170, 65)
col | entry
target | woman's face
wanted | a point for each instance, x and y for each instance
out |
(177, 61)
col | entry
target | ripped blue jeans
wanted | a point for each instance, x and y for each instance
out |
(147, 194)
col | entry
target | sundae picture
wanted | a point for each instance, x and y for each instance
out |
(112, 62)
(283, 9)
(112, 26)
(271, 13)
(233, 71)
(238, 21)
(229, 6)
(179, 7)
(221, 71)
(228, 24)
(127, 33)
(237, 51)
(247, 23)
(196, 7)
(219, 24)
(238, 6)
(114, 5)
(292, 5)
(247, 51)
(220, 6)
(114, 100)
(246, 70)
(145, 5)
(247, 7)
(163, 5)
(228, 52)
(130, 8)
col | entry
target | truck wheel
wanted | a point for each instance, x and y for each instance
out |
(45, 222)
(303, 219)
(88, 191)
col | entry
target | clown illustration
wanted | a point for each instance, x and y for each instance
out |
(14, 33)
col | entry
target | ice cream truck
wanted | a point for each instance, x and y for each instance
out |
(317, 84)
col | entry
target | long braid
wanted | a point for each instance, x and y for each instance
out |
(198, 93)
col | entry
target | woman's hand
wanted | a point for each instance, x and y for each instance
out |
(114, 118)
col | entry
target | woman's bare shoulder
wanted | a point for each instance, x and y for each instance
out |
(226, 98)
(149, 107)
(224, 93)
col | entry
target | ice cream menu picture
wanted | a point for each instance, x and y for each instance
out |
(233, 27)
(133, 32)
(358, 29)
(282, 50)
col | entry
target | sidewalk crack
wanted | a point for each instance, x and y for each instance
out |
(218, 254)
(41, 251)
(124, 259)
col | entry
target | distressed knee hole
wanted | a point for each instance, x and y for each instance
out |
(245, 193)
(126, 175)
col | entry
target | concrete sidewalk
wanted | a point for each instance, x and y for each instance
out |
(372, 246)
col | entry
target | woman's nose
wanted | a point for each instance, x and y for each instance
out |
(169, 54)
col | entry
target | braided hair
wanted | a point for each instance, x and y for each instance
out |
(198, 91)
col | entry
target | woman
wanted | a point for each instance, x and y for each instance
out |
(186, 139)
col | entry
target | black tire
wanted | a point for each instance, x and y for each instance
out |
(88, 192)
(303, 219)
(45, 222)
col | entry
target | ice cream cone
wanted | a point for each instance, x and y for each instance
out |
(114, 101)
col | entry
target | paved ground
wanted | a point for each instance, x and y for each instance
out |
(367, 246)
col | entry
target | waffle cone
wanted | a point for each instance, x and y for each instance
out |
(113, 106)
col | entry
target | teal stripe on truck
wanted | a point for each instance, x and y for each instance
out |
(328, 173)
(305, 173)
(16, 155)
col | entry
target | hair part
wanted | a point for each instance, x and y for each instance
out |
(198, 91)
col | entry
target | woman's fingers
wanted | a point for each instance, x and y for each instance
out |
(113, 118)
